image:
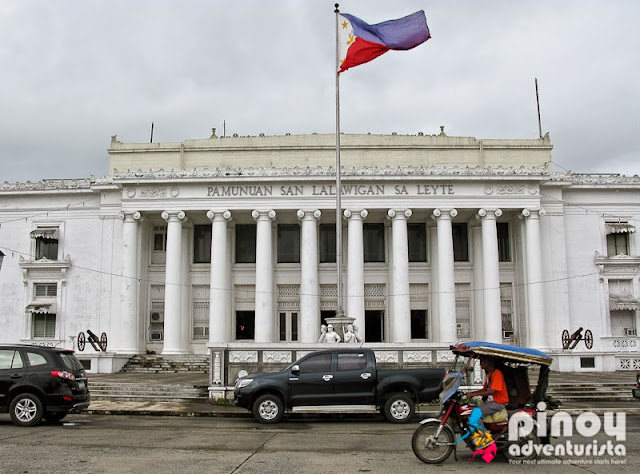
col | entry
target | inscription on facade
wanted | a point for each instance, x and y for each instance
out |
(330, 190)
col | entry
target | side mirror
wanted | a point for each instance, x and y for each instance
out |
(295, 370)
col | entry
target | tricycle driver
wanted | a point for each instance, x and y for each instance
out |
(495, 388)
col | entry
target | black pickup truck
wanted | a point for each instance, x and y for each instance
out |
(343, 380)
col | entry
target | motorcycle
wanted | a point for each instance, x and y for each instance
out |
(436, 438)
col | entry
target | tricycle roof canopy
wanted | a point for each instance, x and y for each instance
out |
(503, 351)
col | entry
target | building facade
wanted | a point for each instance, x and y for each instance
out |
(227, 246)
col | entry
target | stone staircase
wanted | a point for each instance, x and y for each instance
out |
(155, 378)
(145, 392)
(152, 363)
(592, 386)
(592, 392)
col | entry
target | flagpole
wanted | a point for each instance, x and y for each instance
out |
(340, 309)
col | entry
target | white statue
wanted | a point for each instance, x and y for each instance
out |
(331, 337)
(323, 333)
(352, 336)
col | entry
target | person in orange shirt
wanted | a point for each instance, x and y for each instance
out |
(495, 388)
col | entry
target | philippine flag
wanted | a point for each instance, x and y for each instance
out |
(359, 42)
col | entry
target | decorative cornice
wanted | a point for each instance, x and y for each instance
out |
(542, 172)
(47, 185)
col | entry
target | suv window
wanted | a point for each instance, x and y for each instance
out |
(10, 359)
(317, 363)
(36, 359)
(71, 362)
(352, 361)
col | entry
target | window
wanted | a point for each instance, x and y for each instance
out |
(10, 359)
(352, 361)
(45, 289)
(506, 311)
(160, 239)
(327, 243)
(419, 327)
(623, 323)
(245, 324)
(460, 242)
(246, 243)
(288, 243)
(36, 359)
(200, 319)
(202, 244)
(44, 325)
(463, 310)
(617, 244)
(373, 237)
(374, 326)
(46, 248)
(316, 363)
(417, 235)
(288, 326)
(504, 247)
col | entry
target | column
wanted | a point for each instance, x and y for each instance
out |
(491, 275)
(264, 330)
(219, 288)
(446, 282)
(434, 329)
(309, 284)
(355, 267)
(400, 272)
(173, 283)
(534, 285)
(125, 331)
(186, 326)
(478, 301)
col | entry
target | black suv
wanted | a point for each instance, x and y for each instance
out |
(37, 382)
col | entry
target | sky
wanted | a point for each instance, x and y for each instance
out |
(75, 72)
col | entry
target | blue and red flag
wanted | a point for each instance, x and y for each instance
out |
(359, 42)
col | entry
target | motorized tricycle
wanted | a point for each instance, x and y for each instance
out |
(436, 438)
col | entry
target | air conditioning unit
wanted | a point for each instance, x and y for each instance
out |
(507, 334)
(629, 332)
(156, 335)
(157, 317)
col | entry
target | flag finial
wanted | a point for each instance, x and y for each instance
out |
(337, 10)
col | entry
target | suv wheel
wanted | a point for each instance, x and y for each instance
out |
(26, 410)
(54, 416)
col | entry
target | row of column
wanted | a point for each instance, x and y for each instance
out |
(488, 322)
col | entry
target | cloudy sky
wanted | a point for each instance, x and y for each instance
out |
(75, 72)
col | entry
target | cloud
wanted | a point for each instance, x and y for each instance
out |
(77, 72)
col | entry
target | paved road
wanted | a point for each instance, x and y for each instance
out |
(150, 444)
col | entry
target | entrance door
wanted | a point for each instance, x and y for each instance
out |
(374, 326)
(288, 325)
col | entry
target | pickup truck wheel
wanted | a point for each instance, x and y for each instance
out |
(268, 409)
(399, 408)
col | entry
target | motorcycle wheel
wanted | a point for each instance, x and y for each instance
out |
(428, 449)
(522, 441)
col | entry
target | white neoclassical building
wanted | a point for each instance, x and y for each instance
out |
(227, 246)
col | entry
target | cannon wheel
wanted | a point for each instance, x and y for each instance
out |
(588, 339)
(565, 338)
(81, 341)
(103, 342)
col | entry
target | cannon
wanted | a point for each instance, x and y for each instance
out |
(98, 344)
(571, 341)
